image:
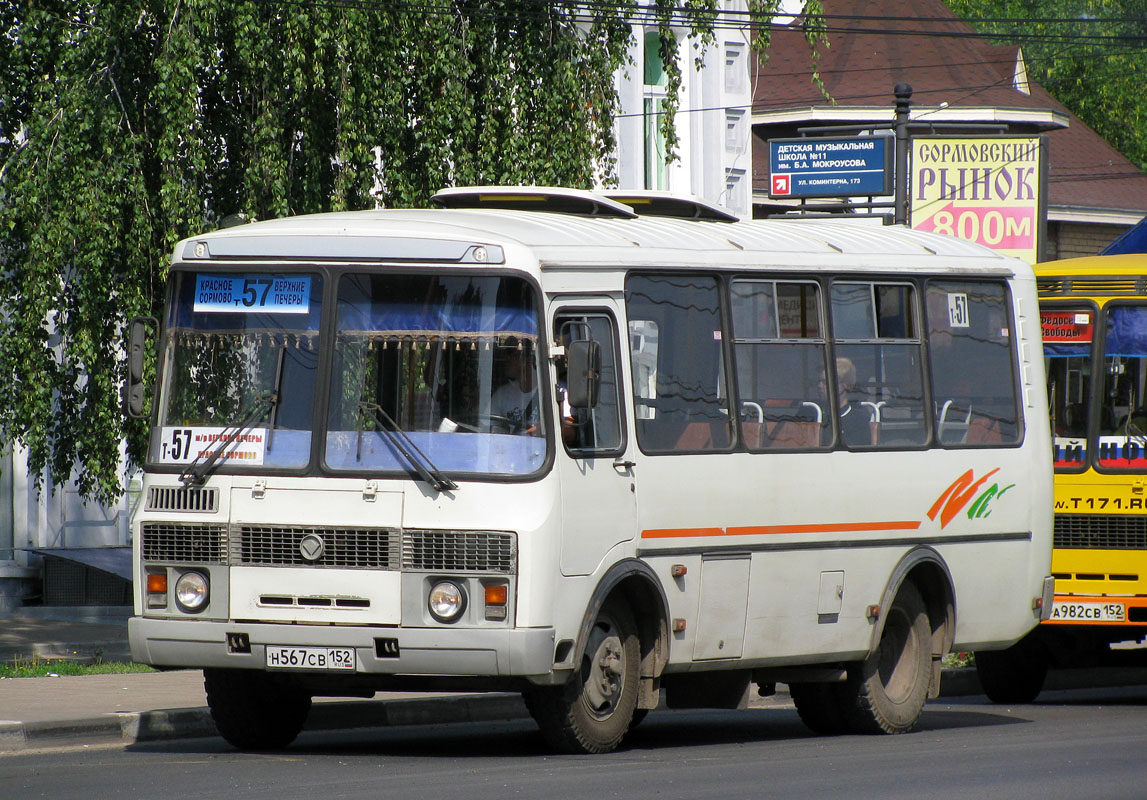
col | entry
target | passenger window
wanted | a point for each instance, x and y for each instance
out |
(970, 347)
(597, 430)
(779, 348)
(879, 371)
(676, 354)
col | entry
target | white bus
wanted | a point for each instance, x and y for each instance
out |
(535, 441)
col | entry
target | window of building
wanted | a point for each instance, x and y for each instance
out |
(656, 170)
(736, 71)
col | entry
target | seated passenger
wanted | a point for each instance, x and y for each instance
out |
(855, 420)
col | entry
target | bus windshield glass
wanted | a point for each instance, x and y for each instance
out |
(1123, 412)
(439, 368)
(238, 374)
(1068, 333)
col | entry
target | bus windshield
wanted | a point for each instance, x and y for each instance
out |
(239, 360)
(1119, 438)
(1068, 333)
(1123, 409)
(447, 365)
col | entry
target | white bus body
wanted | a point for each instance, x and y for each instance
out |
(709, 514)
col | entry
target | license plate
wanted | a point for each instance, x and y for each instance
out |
(330, 658)
(1070, 611)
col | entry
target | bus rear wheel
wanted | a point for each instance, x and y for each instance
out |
(252, 710)
(593, 710)
(885, 693)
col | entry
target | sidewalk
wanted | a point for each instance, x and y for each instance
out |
(65, 711)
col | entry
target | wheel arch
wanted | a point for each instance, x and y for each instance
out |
(927, 570)
(638, 584)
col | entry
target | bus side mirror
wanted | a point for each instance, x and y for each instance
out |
(136, 355)
(583, 373)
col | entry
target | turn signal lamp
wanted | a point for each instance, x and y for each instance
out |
(157, 590)
(496, 595)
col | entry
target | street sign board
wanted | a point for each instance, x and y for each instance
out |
(987, 189)
(813, 167)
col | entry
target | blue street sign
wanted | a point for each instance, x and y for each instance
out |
(858, 165)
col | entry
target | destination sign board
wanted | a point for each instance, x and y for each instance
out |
(812, 167)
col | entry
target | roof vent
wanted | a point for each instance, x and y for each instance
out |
(533, 198)
(653, 203)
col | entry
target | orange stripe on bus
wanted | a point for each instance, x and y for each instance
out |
(762, 530)
(670, 533)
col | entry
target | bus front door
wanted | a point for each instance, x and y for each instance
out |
(599, 505)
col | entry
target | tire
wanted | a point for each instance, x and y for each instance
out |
(252, 710)
(885, 693)
(820, 707)
(593, 710)
(1012, 676)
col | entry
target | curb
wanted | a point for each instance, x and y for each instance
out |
(189, 723)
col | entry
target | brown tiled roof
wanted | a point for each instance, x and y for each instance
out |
(875, 44)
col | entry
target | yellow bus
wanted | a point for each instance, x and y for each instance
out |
(1094, 320)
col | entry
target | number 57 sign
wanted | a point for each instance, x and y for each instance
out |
(987, 189)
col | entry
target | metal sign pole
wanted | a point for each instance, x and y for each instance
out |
(903, 92)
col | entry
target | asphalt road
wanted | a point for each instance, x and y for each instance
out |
(1077, 744)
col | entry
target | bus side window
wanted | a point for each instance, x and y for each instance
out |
(676, 355)
(779, 348)
(972, 355)
(880, 374)
(597, 430)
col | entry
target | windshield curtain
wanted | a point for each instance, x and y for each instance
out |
(239, 346)
(447, 363)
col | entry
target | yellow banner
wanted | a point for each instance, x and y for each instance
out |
(986, 189)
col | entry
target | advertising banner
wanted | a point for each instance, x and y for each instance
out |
(986, 189)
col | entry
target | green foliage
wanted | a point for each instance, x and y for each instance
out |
(1089, 54)
(38, 667)
(126, 125)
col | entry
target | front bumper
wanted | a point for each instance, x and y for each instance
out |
(421, 651)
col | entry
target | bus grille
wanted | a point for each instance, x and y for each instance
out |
(346, 548)
(280, 546)
(182, 498)
(1100, 532)
(188, 543)
(1052, 286)
(458, 551)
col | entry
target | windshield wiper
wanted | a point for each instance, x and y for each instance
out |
(197, 471)
(422, 465)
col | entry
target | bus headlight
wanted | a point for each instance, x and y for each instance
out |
(447, 601)
(191, 592)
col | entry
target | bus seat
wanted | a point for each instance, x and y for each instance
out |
(753, 431)
(791, 424)
(983, 430)
(794, 434)
(696, 436)
(704, 436)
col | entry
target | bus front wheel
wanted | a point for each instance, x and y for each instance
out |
(592, 711)
(885, 693)
(253, 711)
